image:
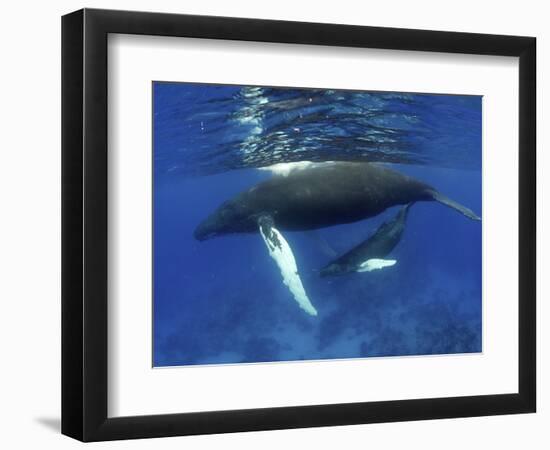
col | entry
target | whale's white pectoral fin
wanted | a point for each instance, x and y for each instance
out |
(281, 252)
(375, 264)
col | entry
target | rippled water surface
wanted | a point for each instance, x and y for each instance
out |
(210, 129)
(223, 300)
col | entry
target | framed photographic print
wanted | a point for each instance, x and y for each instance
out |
(274, 224)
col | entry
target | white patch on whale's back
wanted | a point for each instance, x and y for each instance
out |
(375, 264)
(284, 169)
(281, 252)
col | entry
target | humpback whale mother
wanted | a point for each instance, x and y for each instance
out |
(316, 195)
(320, 195)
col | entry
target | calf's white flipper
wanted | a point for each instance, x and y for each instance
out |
(375, 264)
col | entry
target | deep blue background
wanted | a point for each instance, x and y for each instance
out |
(223, 300)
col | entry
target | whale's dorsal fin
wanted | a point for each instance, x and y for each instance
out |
(281, 252)
(375, 264)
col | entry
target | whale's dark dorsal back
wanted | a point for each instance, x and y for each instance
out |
(332, 194)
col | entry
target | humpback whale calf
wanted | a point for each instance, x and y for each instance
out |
(316, 195)
(369, 255)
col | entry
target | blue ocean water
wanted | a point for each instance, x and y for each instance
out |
(223, 300)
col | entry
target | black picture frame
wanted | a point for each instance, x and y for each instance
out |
(84, 224)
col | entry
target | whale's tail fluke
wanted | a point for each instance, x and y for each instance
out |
(404, 212)
(439, 197)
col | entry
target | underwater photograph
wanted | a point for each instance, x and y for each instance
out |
(301, 224)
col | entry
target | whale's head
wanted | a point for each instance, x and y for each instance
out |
(230, 217)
